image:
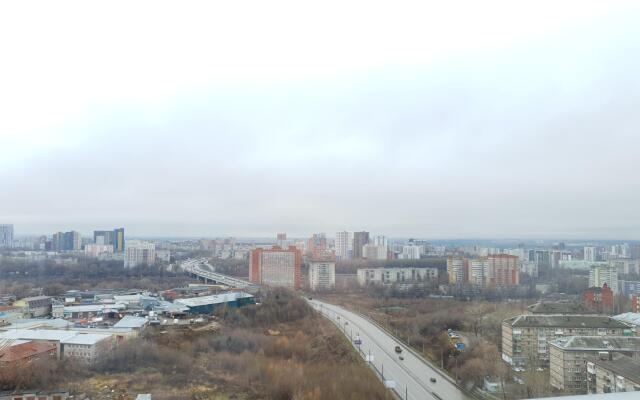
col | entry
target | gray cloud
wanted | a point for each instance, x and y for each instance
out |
(534, 139)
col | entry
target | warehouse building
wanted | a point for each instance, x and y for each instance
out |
(209, 304)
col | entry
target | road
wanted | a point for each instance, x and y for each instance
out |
(195, 266)
(412, 376)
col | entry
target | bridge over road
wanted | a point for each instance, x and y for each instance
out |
(201, 268)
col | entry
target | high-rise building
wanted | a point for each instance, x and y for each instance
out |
(317, 243)
(590, 253)
(478, 271)
(6, 235)
(118, 240)
(103, 238)
(359, 240)
(411, 252)
(503, 270)
(458, 270)
(322, 273)
(601, 274)
(276, 266)
(138, 253)
(380, 240)
(66, 241)
(113, 238)
(344, 245)
(374, 252)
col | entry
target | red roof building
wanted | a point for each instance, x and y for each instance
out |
(598, 299)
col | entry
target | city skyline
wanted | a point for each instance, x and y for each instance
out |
(439, 126)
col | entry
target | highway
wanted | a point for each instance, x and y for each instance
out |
(195, 266)
(411, 376)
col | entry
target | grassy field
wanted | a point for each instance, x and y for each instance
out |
(280, 349)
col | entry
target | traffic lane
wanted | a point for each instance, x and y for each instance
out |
(406, 384)
(420, 372)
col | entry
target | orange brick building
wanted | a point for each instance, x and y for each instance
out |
(599, 299)
(276, 266)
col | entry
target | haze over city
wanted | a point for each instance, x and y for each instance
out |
(421, 121)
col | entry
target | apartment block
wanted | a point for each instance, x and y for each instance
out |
(609, 374)
(384, 276)
(138, 253)
(322, 274)
(525, 338)
(569, 357)
(276, 266)
(503, 270)
(458, 270)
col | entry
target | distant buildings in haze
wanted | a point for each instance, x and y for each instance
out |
(6, 235)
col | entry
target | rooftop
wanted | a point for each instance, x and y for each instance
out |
(215, 299)
(623, 365)
(556, 307)
(630, 318)
(129, 321)
(25, 350)
(86, 339)
(565, 321)
(598, 343)
(38, 334)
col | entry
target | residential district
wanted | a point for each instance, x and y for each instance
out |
(582, 342)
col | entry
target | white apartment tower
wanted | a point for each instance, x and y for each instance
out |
(601, 274)
(322, 274)
(590, 253)
(344, 245)
(137, 253)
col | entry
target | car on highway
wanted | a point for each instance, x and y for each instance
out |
(401, 358)
(357, 342)
(398, 349)
(433, 380)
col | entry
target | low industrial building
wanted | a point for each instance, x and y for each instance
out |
(568, 358)
(87, 348)
(131, 322)
(209, 304)
(69, 343)
(33, 307)
(525, 338)
(19, 352)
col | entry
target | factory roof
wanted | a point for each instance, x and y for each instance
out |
(86, 339)
(598, 343)
(93, 308)
(129, 321)
(32, 323)
(38, 334)
(215, 299)
(565, 321)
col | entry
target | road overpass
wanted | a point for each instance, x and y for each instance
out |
(201, 268)
(412, 377)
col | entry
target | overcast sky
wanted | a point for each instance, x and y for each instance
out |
(467, 120)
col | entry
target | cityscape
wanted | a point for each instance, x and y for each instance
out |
(337, 200)
(487, 320)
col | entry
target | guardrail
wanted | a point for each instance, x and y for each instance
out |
(408, 347)
(193, 266)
